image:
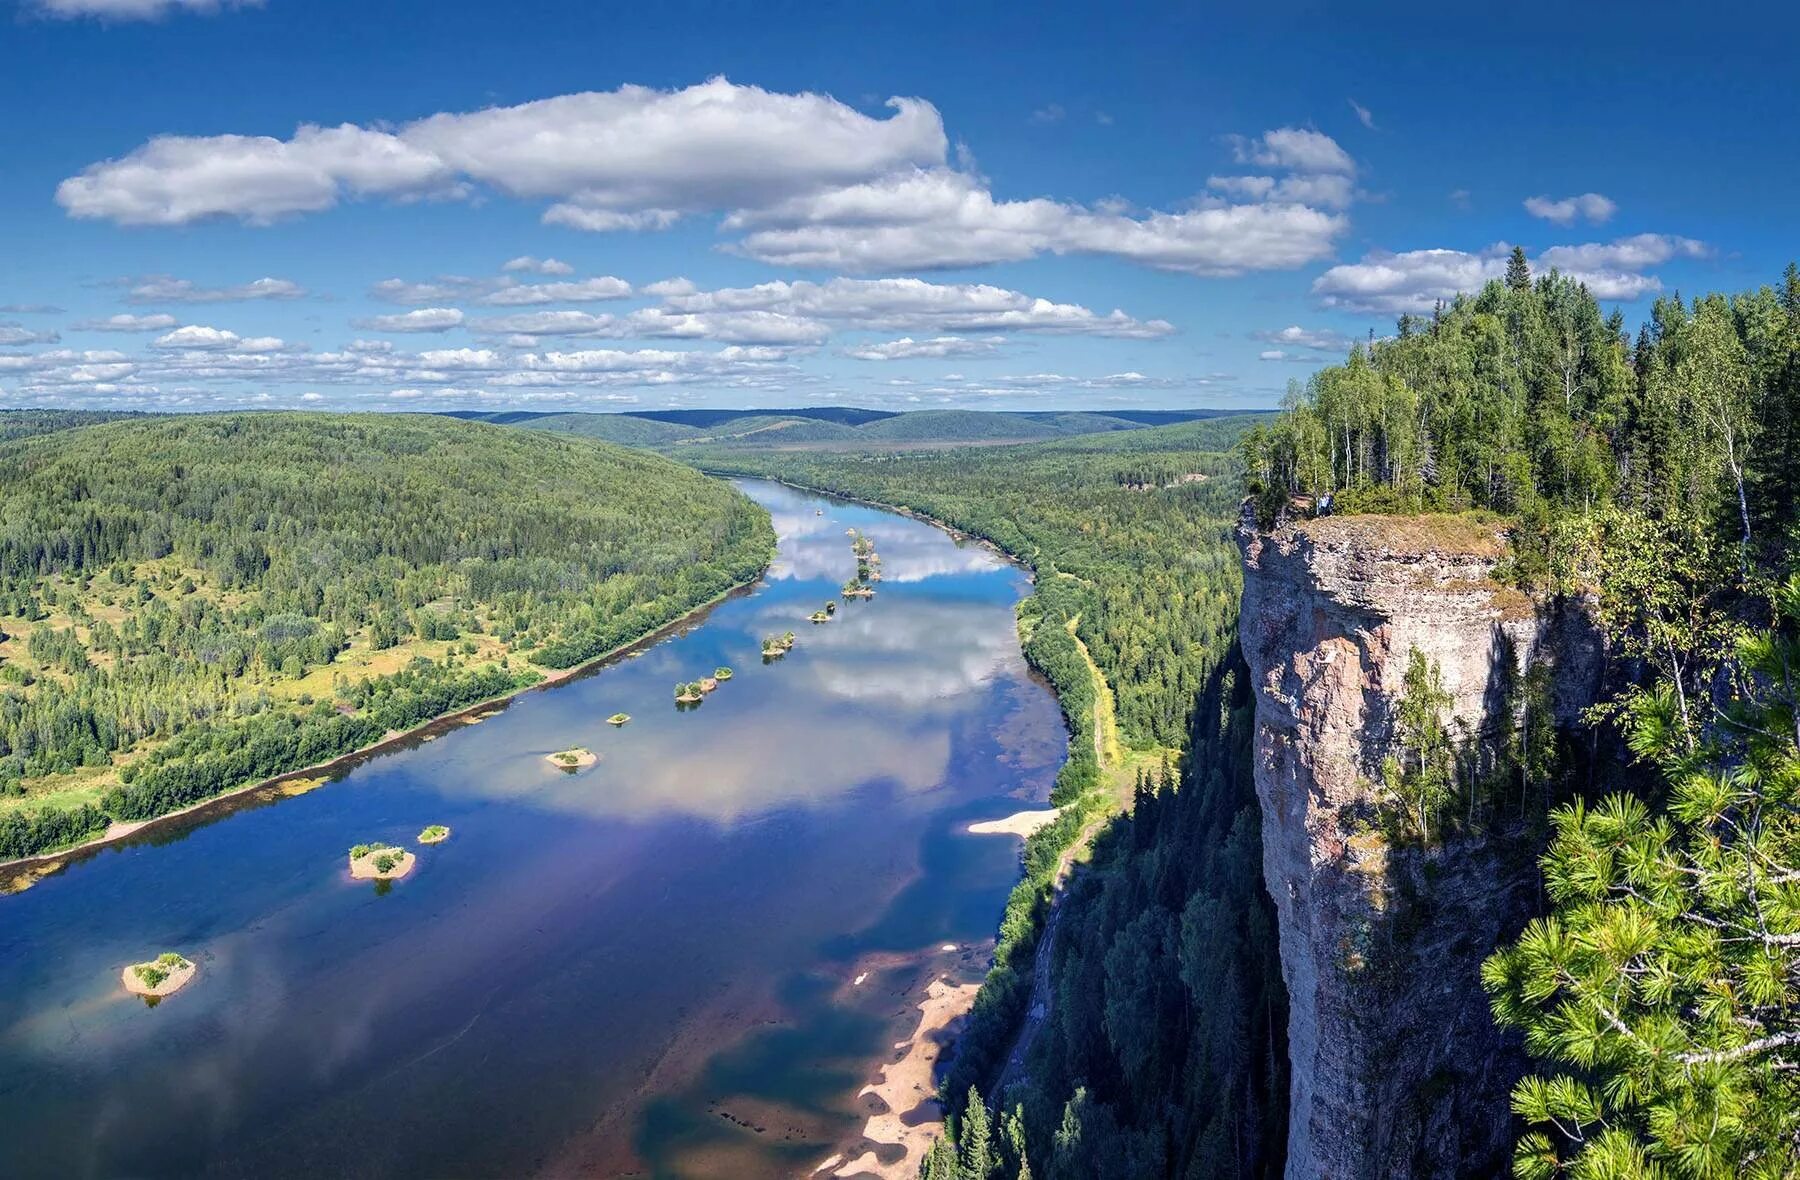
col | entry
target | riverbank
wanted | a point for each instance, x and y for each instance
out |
(22, 873)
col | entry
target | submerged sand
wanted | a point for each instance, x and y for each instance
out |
(908, 1090)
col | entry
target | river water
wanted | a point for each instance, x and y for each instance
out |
(648, 967)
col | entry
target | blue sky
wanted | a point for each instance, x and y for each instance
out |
(314, 203)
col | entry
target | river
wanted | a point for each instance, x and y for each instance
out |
(648, 967)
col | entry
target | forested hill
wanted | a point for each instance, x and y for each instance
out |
(840, 428)
(194, 602)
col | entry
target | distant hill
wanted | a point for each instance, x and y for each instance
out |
(844, 427)
(26, 423)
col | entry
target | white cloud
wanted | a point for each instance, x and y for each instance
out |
(542, 266)
(155, 322)
(425, 319)
(1052, 113)
(1418, 279)
(1590, 207)
(163, 289)
(737, 327)
(1293, 148)
(1633, 253)
(133, 9)
(1363, 114)
(1327, 189)
(937, 218)
(912, 305)
(1294, 336)
(906, 348)
(199, 336)
(581, 291)
(714, 145)
(808, 180)
(14, 335)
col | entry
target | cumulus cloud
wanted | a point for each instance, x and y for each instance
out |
(425, 319)
(133, 9)
(580, 291)
(912, 305)
(504, 291)
(1589, 207)
(1417, 279)
(714, 145)
(940, 218)
(737, 327)
(1294, 336)
(1294, 148)
(202, 337)
(906, 348)
(155, 322)
(542, 266)
(164, 289)
(807, 180)
(15, 335)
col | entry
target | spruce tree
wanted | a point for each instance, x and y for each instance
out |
(1518, 272)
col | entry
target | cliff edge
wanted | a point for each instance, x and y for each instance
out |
(1398, 1070)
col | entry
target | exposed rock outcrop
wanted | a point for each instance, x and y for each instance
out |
(1398, 1070)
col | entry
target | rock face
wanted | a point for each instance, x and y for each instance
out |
(1398, 1071)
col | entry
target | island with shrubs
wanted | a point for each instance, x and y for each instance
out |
(434, 834)
(776, 646)
(689, 692)
(575, 758)
(721, 673)
(618, 719)
(381, 862)
(162, 976)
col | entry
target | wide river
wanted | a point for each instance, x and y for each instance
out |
(649, 967)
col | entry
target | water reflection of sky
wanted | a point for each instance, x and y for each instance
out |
(575, 926)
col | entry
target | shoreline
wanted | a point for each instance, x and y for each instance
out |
(118, 831)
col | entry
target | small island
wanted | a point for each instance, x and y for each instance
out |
(689, 692)
(435, 834)
(721, 673)
(819, 616)
(380, 862)
(776, 646)
(618, 719)
(577, 758)
(163, 976)
(857, 590)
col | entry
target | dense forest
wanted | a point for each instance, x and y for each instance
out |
(191, 603)
(1655, 476)
(1163, 1052)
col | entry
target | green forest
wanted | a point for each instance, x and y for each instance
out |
(194, 603)
(1164, 1053)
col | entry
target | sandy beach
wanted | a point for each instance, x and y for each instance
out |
(1019, 823)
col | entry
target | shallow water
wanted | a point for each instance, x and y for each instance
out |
(643, 968)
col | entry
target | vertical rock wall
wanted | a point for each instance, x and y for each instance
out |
(1398, 1070)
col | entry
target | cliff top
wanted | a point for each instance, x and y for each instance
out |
(1471, 534)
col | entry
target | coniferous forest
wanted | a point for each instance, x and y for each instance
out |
(198, 602)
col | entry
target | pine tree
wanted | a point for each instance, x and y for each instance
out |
(1518, 272)
(1665, 986)
(975, 1141)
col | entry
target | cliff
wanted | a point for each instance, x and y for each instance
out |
(1397, 1068)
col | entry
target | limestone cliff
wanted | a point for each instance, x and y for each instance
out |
(1398, 1070)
